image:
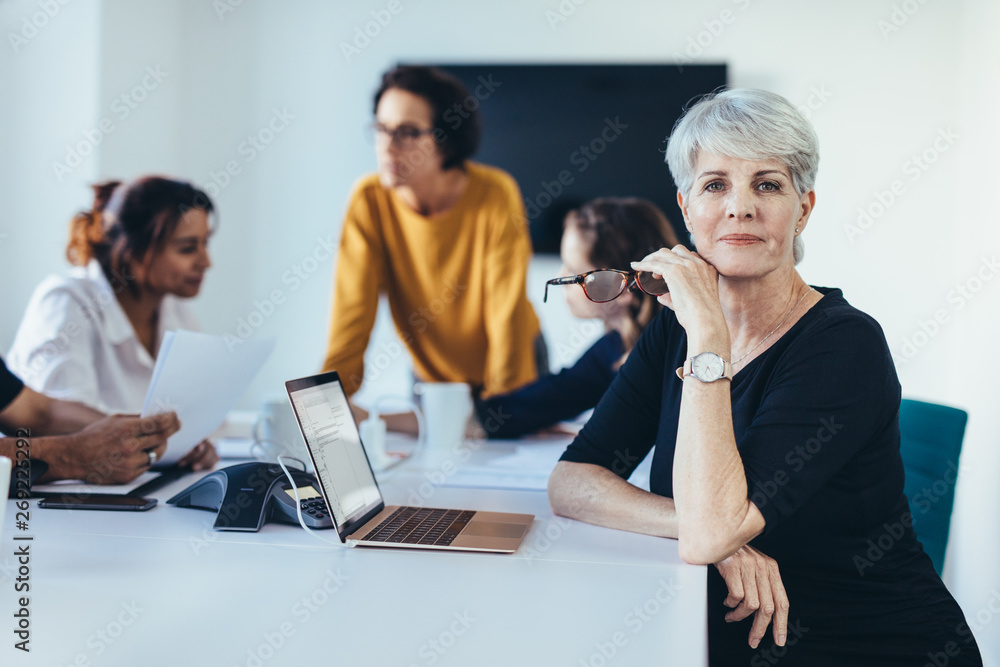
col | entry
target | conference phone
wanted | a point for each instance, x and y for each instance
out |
(247, 495)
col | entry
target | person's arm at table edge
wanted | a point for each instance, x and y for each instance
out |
(42, 415)
(593, 494)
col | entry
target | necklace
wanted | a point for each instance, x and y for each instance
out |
(785, 319)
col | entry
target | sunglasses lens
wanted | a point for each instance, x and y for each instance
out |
(651, 285)
(604, 285)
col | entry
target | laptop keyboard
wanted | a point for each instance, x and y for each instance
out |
(415, 525)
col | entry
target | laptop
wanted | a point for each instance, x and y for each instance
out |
(353, 499)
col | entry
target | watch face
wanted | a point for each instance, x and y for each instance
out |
(707, 367)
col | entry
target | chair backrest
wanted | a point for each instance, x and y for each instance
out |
(931, 441)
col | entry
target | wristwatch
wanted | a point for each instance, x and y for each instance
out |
(707, 367)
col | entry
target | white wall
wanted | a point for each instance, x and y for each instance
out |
(51, 85)
(879, 97)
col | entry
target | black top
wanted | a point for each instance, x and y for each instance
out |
(816, 421)
(554, 398)
(10, 386)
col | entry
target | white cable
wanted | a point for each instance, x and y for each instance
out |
(298, 503)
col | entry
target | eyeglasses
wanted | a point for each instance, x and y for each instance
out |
(404, 135)
(603, 285)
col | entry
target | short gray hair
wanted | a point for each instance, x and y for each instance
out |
(748, 124)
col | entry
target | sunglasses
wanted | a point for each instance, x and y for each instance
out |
(603, 285)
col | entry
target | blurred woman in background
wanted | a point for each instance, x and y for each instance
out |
(607, 233)
(92, 336)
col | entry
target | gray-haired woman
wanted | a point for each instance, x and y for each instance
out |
(773, 406)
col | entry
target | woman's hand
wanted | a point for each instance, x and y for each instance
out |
(755, 588)
(693, 284)
(202, 457)
(113, 450)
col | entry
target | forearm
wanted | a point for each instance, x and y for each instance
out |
(63, 417)
(40, 415)
(593, 494)
(709, 482)
(54, 451)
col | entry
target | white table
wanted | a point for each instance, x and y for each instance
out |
(162, 588)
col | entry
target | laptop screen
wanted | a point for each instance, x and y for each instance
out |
(332, 437)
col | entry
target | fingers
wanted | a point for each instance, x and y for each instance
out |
(166, 423)
(780, 620)
(202, 457)
(208, 460)
(734, 583)
(658, 260)
(766, 609)
(751, 595)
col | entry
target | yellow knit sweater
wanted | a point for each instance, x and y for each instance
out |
(455, 284)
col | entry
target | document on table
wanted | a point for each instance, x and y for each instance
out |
(200, 377)
(527, 469)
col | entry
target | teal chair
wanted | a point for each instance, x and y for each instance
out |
(931, 441)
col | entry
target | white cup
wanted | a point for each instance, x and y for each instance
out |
(447, 408)
(4, 488)
(276, 432)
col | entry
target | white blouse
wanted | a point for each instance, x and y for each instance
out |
(76, 343)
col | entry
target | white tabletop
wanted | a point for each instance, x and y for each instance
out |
(162, 588)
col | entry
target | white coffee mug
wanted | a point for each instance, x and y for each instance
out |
(4, 488)
(447, 409)
(276, 432)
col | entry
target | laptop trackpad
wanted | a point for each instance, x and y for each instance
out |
(494, 529)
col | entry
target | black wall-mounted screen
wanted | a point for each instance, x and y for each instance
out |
(569, 133)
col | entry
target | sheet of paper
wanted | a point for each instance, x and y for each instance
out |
(527, 469)
(486, 477)
(200, 377)
(540, 458)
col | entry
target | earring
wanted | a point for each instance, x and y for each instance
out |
(796, 230)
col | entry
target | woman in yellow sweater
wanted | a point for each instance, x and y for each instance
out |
(444, 238)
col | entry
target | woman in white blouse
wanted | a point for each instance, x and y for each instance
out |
(92, 336)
